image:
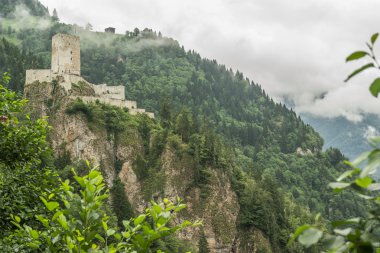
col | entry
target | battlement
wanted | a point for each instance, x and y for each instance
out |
(65, 68)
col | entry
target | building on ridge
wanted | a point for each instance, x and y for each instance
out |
(110, 30)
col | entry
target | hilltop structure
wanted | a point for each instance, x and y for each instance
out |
(65, 69)
(110, 30)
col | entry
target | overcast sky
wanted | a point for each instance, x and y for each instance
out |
(293, 49)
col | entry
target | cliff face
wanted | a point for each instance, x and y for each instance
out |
(73, 134)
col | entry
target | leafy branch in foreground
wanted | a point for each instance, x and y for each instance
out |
(375, 85)
(359, 234)
(77, 222)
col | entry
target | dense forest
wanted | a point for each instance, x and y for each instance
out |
(219, 117)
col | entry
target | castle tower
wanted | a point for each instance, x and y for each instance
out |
(65, 58)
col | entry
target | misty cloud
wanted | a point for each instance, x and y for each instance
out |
(22, 19)
(370, 132)
(90, 40)
(293, 49)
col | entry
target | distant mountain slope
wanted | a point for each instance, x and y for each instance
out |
(7, 7)
(349, 137)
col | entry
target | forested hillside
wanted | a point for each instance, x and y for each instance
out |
(7, 7)
(218, 118)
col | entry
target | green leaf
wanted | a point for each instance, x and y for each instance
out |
(363, 182)
(180, 207)
(55, 239)
(52, 205)
(348, 173)
(117, 236)
(99, 238)
(343, 232)
(345, 222)
(374, 140)
(126, 234)
(18, 219)
(361, 158)
(126, 223)
(139, 219)
(375, 87)
(310, 237)
(105, 227)
(32, 245)
(110, 232)
(339, 186)
(373, 163)
(34, 234)
(157, 209)
(374, 187)
(333, 243)
(356, 55)
(298, 232)
(62, 220)
(374, 38)
(367, 66)
(93, 174)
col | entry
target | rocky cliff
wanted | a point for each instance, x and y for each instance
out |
(79, 132)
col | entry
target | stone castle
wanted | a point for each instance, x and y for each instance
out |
(65, 66)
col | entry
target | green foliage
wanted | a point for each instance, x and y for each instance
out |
(375, 86)
(15, 62)
(77, 222)
(120, 203)
(7, 7)
(78, 106)
(63, 159)
(118, 165)
(203, 244)
(23, 160)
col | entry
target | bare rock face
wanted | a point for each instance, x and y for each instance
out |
(72, 133)
(132, 187)
(218, 210)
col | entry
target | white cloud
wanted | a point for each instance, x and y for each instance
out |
(370, 132)
(294, 49)
(22, 19)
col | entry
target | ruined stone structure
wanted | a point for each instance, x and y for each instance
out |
(65, 68)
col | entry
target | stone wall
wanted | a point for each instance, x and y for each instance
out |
(65, 54)
(131, 105)
(136, 111)
(41, 75)
(115, 92)
(115, 102)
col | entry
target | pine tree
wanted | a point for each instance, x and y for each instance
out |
(203, 244)
(55, 15)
